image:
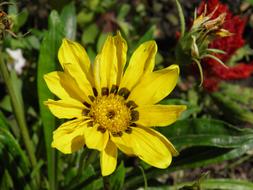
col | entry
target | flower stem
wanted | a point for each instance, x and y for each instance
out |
(181, 17)
(18, 110)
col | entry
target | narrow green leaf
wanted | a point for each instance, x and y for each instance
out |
(90, 34)
(239, 54)
(17, 107)
(226, 184)
(215, 58)
(181, 17)
(235, 93)
(205, 132)
(200, 70)
(231, 107)
(123, 11)
(94, 185)
(211, 184)
(14, 160)
(117, 179)
(149, 35)
(68, 18)
(3, 121)
(47, 63)
(212, 50)
(5, 180)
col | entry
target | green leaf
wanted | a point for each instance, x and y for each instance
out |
(118, 177)
(5, 103)
(47, 63)
(21, 19)
(211, 184)
(33, 42)
(226, 184)
(14, 160)
(239, 54)
(123, 11)
(149, 35)
(3, 121)
(232, 108)
(90, 34)
(68, 18)
(84, 17)
(205, 132)
(94, 185)
(236, 92)
(181, 17)
(17, 87)
(124, 26)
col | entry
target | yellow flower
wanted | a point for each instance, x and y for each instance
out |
(112, 109)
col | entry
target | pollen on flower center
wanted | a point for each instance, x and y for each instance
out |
(111, 113)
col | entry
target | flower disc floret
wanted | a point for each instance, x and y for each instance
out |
(111, 113)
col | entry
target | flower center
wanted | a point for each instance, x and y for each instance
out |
(111, 113)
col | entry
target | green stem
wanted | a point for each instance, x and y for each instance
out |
(91, 157)
(144, 178)
(82, 162)
(181, 18)
(18, 111)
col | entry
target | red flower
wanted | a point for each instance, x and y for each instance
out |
(214, 72)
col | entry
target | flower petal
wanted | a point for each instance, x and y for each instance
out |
(64, 86)
(158, 115)
(69, 138)
(73, 52)
(155, 86)
(108, 64)
(75, 62)
(167, 143)
(96, 73)
(108, 158)
(123, 143)
(151, 147)
(95, 139)
(121, 50)
(65, 108)
(142, 61)
(81, 80)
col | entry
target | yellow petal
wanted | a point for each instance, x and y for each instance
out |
(108, 158)
(74, 53)
(68, 108)
(69, 138)
(167, 143)
(95, 139)
(80, 78)
(142, 61)
(96, 73)
(155, 86)
(158, 115)
(123, 143)
(108, 64)
(121, 50)
(75, 62)
(63, 86)
(151, 148)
